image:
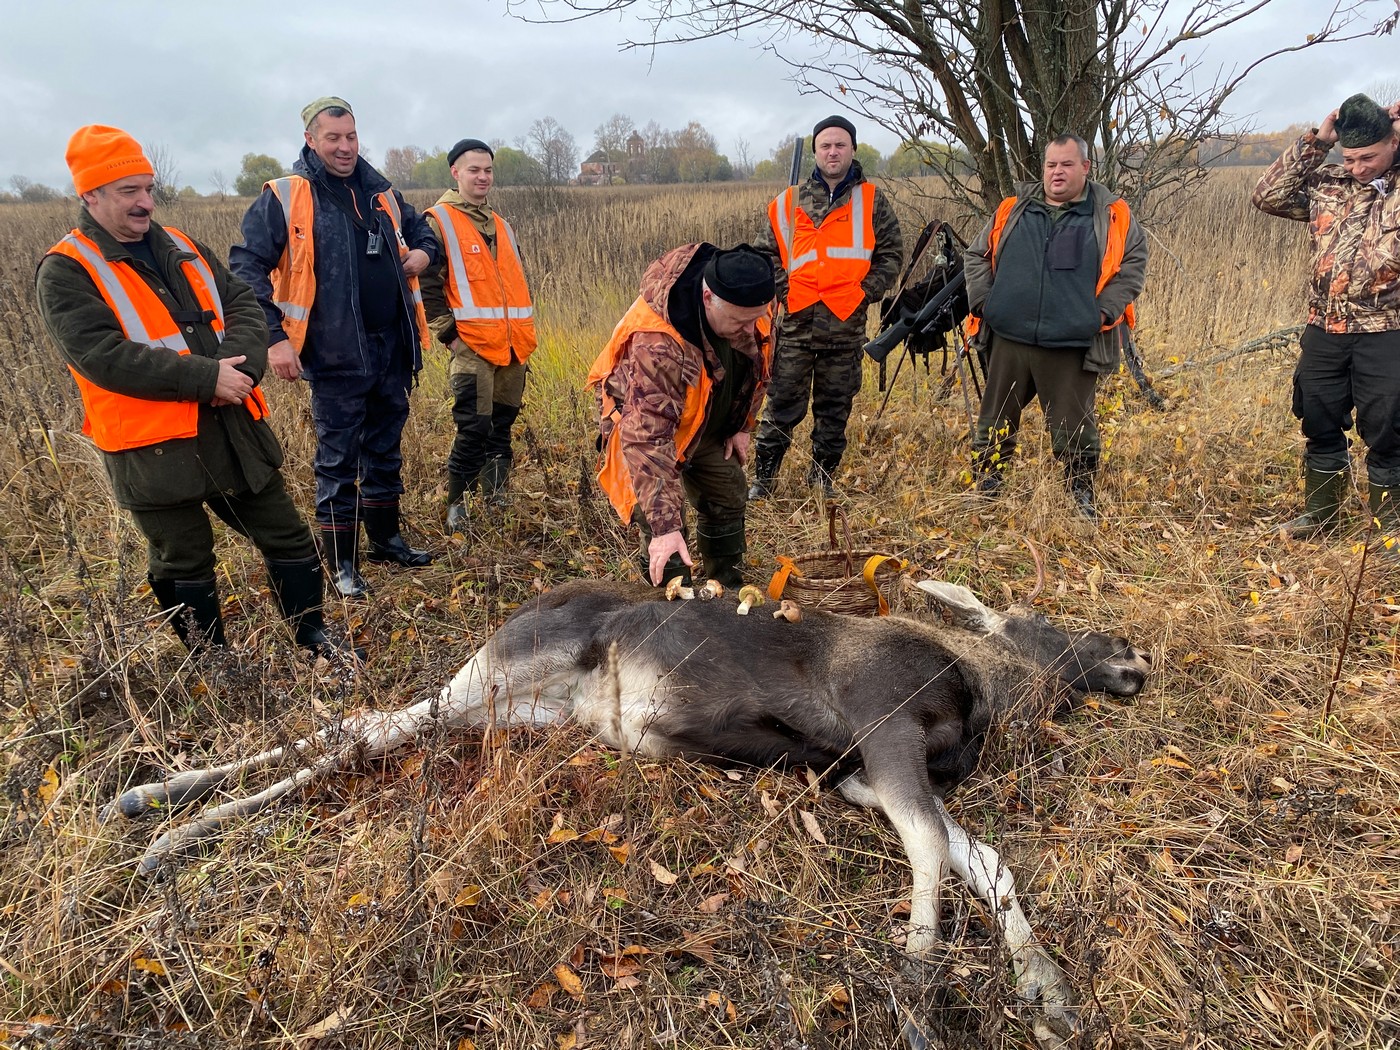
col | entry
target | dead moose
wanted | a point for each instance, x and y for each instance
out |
(893, 710)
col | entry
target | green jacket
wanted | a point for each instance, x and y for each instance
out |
(817, 327)
(232, 452)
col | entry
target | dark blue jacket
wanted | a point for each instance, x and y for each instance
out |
(336, 344)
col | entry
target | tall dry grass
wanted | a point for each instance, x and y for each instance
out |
(1215, 865)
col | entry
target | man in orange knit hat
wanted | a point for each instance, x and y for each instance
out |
(167, 348)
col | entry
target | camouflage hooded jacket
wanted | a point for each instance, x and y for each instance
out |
(653, 374)
(1355, 233)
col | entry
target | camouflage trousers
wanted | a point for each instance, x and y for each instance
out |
(486, 400)
(831, 378)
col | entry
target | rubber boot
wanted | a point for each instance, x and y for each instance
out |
(495, 475)
(1385, 509)
(198, 618)
(456, 507)
(386, 542)
(766, 462)
(1080, 471)
(1323, 491)
(721, 549)
(299, 588)
(341, 548)
(988, 471)
(822, 471)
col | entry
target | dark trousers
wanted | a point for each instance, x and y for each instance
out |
(486, 399)
(1338, 375)
(1016, 374)
(359, 426)
(714, 486)
(831, 378)
(180, 539)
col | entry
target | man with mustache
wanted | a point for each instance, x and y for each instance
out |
(333, 253)
(167, 348)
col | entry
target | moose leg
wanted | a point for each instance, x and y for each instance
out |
(1038, 979)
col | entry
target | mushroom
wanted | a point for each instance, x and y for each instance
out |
(789, 611)
(677, 589)
(749, 596)
(711, 589)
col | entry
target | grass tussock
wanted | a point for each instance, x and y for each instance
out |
(1216, 866)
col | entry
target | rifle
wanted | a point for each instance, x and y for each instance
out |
(939, 314)
(799, 147)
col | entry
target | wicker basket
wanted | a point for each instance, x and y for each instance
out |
(839, 580)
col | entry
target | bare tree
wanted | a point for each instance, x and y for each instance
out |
(167, 174)
(611, 136)
(399, 162)
(555, 150)
(1001, 78)
(220, 182)
(743, 159)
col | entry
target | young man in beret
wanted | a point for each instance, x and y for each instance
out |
(679, 385)
(167, 348)
(333, 253)
(837, 244)
(478, 306)
(1350, 360)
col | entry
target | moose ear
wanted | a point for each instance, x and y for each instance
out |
(962, 605)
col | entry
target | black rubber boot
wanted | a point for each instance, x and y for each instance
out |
(1323, 491)
(386, 543)
(341, 548)
(198, 618)
(1384, 504)
(299, 588)
(1080, 471)
(766, 462)
(721, 548)
(495, 475)
(456, 507)
(822, 471)
(988, 471)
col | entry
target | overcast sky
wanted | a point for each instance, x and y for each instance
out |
(211, 82)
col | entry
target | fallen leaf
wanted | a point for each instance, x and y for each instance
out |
(620, 853)
(328, 1025)
(151, 966)
(48, 786)
(540, 997)
(569, 982)
(809, 821)
(662, 875)
(712, 905)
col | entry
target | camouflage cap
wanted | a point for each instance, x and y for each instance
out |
(1361, 121)
(310, 111)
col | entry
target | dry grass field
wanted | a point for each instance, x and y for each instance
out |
(1216, 865)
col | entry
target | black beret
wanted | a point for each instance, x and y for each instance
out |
(465, 145)
(1361, 121)
(834, 122)
(742, 276)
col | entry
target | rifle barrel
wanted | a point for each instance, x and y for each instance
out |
(883, 344)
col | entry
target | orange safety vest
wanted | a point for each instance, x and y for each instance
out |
(488, 298)
(1119, 216)
(829, 261)
(294, 279)
(117, 422)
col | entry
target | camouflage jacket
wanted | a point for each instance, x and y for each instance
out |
(1355, 233)
(652, 375)
(817, 326)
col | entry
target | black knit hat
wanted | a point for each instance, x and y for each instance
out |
(834, 122)
(464, 146)
(1362, 122)
(741, 275)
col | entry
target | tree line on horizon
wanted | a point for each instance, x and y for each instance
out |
(548, 155)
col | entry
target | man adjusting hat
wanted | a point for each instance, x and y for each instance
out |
(1350, 360)
(679, 385)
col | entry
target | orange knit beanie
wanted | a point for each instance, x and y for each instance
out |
(98, 155)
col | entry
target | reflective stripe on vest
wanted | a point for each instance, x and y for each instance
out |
(1119, 217)
(612, 472)
(824, 263)
(117, 422)
(294, 279)
(494, 317)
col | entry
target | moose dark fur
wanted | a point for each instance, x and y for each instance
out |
(893, 710)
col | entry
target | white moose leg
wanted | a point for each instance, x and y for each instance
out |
(1039, 980)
